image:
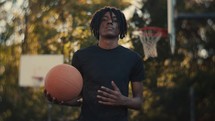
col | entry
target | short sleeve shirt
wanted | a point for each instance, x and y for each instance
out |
(99, 67)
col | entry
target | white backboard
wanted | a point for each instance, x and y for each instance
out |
(33, 68)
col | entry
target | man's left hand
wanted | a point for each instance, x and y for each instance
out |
(112, 97)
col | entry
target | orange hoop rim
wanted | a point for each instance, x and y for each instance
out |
(163, 31)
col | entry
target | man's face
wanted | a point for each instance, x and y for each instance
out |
(109, 26)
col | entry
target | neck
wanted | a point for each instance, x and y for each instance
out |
(108, 44)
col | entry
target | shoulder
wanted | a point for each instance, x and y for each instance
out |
(130, 52)
(85, 50)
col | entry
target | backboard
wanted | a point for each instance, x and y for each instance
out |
(33, 68)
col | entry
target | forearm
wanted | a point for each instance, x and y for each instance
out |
(133, 103)
(75, 102)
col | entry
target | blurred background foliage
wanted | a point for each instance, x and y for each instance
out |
(178, 87)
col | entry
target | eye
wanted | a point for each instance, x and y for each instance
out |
(104, 19)
(115, 20)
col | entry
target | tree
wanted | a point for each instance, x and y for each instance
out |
(61, 27)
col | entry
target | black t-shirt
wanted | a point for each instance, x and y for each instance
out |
(99, 67)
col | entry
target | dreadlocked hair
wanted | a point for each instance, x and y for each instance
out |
(96, 21)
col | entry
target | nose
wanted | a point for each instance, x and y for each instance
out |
(110, 21)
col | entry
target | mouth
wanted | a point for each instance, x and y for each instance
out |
(109, 28)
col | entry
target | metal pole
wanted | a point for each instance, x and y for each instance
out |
(49, 111)
(192, 104)
(171, 23)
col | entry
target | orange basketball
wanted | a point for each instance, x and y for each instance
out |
(64, 82)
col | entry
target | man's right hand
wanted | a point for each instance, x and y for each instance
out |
(51, 98)
(75, 102)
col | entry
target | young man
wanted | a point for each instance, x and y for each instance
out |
(107, 68)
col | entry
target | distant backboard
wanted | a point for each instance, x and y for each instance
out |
(33, 68)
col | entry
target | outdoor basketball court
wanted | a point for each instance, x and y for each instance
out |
(33, 76)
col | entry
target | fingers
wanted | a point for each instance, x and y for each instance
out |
(109, 96)
(47, 95)
(106, 99)
(51, 98)
(115, 87)
(106, 96)
(106, 92)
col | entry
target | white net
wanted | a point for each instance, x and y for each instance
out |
(149, 41)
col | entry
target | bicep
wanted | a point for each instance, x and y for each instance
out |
(137, 89)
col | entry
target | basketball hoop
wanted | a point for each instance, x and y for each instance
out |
(149, 36)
